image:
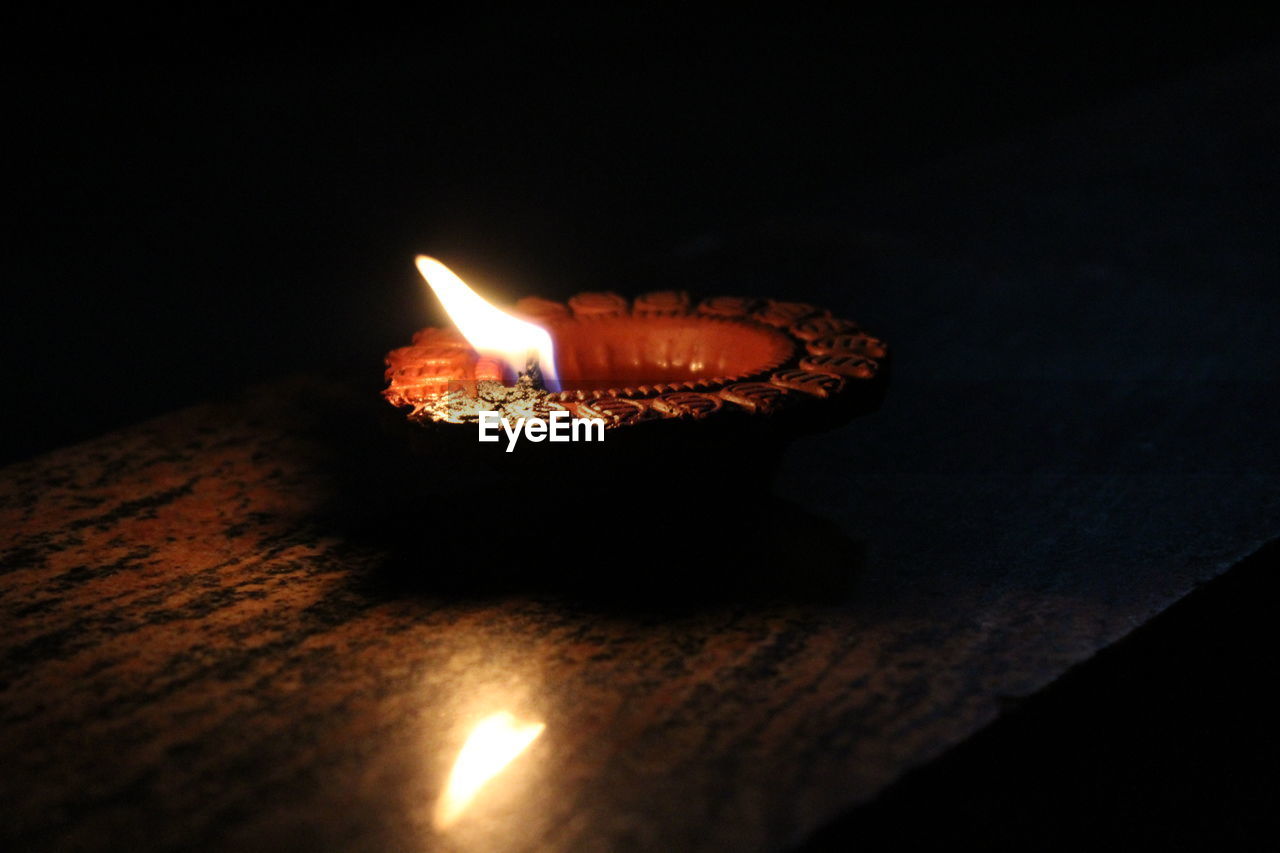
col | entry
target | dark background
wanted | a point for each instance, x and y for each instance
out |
(200, 203)
(197, 203)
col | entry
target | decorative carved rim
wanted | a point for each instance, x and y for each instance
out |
(818, 359)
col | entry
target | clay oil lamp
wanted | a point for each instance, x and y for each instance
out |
(665, 372)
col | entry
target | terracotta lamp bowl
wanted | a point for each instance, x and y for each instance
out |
(658, 359)
(635, 356)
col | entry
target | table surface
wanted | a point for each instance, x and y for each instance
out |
(219, 633)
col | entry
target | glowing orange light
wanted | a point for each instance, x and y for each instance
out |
(490, 331)
(492, 745)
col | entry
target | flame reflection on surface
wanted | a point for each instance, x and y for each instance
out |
(494, 743)
(489, 330)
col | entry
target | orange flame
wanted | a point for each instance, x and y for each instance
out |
(490, 331)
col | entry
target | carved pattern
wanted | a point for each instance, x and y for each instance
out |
(688, 404)
(821, 385)
(785, 314)
(849, 344)
(435, 336)
(540, 310)
(617, 411)
(853, 366)
(418, 363)
(597, 304)
(662, 302)
(727, 306)
(821, 327)
(757, 397)
(490, 369)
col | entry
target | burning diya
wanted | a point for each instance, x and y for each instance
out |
(619, 365)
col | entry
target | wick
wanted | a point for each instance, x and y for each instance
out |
(531, 377)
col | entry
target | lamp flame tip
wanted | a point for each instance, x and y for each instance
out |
(490, 331)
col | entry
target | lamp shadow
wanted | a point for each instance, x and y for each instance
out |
(652, 524)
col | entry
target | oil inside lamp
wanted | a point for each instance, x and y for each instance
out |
(493, 743)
